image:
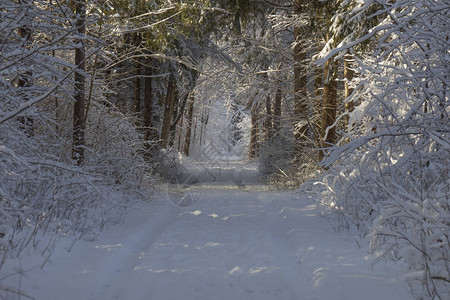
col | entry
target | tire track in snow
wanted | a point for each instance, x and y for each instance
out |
(283, 250)
(136, 245)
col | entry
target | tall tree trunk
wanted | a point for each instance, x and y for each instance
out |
(179, 111)
(24, 82)
(329, 106)
(176, 116)
(137, 80)
(168, 112)
(80, 85)
(180, 132)
(277, 112)
(348, 75)
(194, 134)
(268, 121)
(318, 80)
(253, 149)
(300, 84)
(318, 104)
(137, 90)
(203, 123)
(190, 114)
(148, 106)
(201, 128)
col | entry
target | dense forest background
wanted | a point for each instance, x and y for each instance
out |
(348, 99)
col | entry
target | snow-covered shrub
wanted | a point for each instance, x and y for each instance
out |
(389, 177)
(413, 224)
(170, 164)
(282, 164)
(276, 161)
(116, 148)
(175, 167)
(276, 154)
(402, 203)
(43, 195)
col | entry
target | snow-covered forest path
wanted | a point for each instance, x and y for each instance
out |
(236, 242)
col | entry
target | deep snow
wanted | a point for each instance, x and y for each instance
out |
(238, 241)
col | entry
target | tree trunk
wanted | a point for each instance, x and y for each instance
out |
(277, 111)
(190, 114)
(318, 80)
(80, 85)
(175, 118)
(180, 133)
(318, 104)
(201, 128)
(329, 107)
(137, 79)
(148, 106)
(24, 81)
(253, 149)
(348, 75)
(300, 85)
(168, 112)
(203, 122)
(268, 122)
(179, 112)
(137, 91)
(194, 129)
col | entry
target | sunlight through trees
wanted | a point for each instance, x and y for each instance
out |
(348, 99)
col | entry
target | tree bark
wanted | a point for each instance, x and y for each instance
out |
(300, 84)
(203, 123)
(329, 107)
(190, 114)
(175, 118)
(277, 112)
(318, 80)
(137, 90)
(253, 149)
(168, 112)
(268, 121)
(24, 82)
(137, 79)
(178, 114)
(348, 75)
(180, 133)
(148, 106)
(318, 101)
(80, 85)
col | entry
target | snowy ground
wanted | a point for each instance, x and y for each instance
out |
(238, 241)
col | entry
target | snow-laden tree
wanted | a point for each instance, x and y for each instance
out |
(390, 175)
